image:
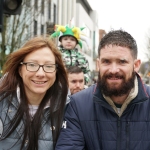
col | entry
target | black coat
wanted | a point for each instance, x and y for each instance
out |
(90, 123)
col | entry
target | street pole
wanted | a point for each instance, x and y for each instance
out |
(1, 15)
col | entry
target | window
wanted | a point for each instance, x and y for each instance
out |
(42, 7)
(54, 21)
(49, 9)
(36, 4)
(35, 27)
(50, 28)
(27, 2)
(42, 28)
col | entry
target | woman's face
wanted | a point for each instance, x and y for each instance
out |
(38, 82)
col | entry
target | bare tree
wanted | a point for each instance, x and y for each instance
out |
(145, 67)
(17, 29)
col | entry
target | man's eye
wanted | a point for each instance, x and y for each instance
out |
(122, 61)
(105, 61)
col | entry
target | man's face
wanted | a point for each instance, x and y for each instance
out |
(68, 42)
(117, 70)
(76, 82)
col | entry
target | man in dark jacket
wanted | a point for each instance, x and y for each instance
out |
(113, 114)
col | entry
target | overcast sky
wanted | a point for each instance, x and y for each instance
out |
(132, 16)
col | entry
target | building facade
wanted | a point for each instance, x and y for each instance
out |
(79, 13)
(39, 17)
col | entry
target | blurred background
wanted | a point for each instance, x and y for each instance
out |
(23, 19)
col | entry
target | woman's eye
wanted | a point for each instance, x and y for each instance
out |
(32, 65)
(49, 66)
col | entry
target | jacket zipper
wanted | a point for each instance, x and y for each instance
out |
(70, 56)
(127, 132)
(118, 133)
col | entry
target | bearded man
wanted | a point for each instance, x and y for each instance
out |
(113, 114)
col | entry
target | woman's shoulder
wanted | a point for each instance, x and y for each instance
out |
(8, 99)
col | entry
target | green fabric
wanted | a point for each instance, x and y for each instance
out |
(75, 58)
(68, 32)
(65, 31)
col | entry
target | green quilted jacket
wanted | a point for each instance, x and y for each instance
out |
(75, 58)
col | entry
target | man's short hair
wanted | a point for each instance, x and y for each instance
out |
(74, 69)
(119, 38)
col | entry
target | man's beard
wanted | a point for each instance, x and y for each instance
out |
(123, 89)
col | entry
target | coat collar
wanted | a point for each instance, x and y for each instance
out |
(141, 95)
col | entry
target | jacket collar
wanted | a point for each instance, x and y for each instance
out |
(141, 95)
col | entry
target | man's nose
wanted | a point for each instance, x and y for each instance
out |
(114, 68)
(78, 84)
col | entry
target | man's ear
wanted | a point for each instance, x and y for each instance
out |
(137, 64)
(97, 63)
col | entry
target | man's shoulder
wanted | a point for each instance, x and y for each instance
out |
(82, 103)
(147, 88)
(84, 95)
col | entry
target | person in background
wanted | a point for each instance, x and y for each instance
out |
(113, 114)
(69, 38)
(32, 96)
(75, 79)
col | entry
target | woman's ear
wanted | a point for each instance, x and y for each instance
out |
(137, 64)
(19, 71)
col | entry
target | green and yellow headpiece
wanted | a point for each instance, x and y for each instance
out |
(65, 30)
